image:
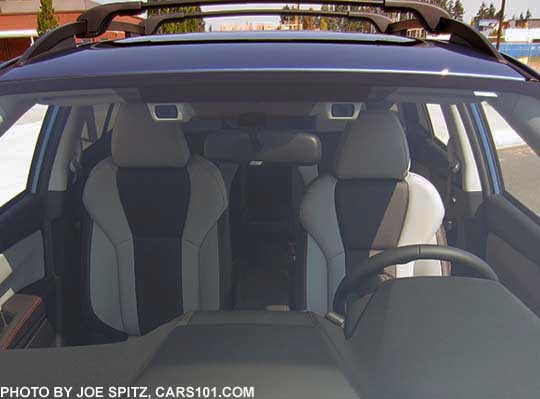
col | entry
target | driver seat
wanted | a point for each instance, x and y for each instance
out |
(369, 202)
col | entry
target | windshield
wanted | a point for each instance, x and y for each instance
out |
(208, 214)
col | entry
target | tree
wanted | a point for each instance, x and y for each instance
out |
(492, 11)
(458, 11)
(450, 6)
(485, 12)
(310, 22)
(326, 23)
(482, 11)
(286, 19)
(528, 15)
(455, 7)
(46, 20)
(440, 3)
(187, 25)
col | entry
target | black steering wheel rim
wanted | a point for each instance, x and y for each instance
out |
(402, 255)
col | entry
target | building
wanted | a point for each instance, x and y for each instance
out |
(522, 31)
(18, 22)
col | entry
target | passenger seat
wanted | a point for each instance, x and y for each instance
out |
(368, 203)
(150, 241)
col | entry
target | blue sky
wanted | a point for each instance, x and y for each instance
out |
(513, 7)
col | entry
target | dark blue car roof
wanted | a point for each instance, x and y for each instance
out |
(263, 51)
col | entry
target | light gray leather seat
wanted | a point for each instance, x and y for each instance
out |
(152, 249)
(370, 202)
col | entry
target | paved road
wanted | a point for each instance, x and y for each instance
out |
(521, 174)
(18, 145)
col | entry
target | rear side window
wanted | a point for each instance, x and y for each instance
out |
(438, 123)
(17, 146)
(519, 164)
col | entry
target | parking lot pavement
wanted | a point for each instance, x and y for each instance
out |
(521, 175)
(17, 150)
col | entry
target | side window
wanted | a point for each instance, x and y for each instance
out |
(17, 146)
(438, 123)
(519, 163)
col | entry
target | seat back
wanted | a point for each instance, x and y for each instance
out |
(151, 243)
(266, 175)
(368, 203)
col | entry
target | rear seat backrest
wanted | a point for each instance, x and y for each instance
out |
(285, 162)
(151, 242)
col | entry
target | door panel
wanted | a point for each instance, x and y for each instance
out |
(27, 280)
(522, 278)
(506, 228)
(508, 238)
(22, 264)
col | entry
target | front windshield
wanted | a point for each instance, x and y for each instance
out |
(192, 228)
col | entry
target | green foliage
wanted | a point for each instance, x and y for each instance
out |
(441, 3)
(310, 22)
(325, 23)
(189, 25)
(287, 19)
(454, 7)
(485, 12)
(457, 10)
(46, 20)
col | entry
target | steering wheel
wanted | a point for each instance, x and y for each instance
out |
(402, 255)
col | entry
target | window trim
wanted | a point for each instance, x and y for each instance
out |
(41, 147)
(478, 118)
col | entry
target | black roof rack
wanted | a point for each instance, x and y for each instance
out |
(127, 27)
(98, 20)
(459, 33)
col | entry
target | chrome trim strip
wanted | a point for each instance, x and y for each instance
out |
(442, 73)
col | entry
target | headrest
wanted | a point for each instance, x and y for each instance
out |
(293, 148)
(139, 141)
(373, 147)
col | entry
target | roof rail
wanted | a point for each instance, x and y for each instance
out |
(152, 24)
(52, 38)
(98, 20)
(460, 33)
(127, 27)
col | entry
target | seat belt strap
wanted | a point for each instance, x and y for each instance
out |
(450, 200)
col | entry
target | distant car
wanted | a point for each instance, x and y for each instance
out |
(269, 214)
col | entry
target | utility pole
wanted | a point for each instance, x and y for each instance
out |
(501, 21)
